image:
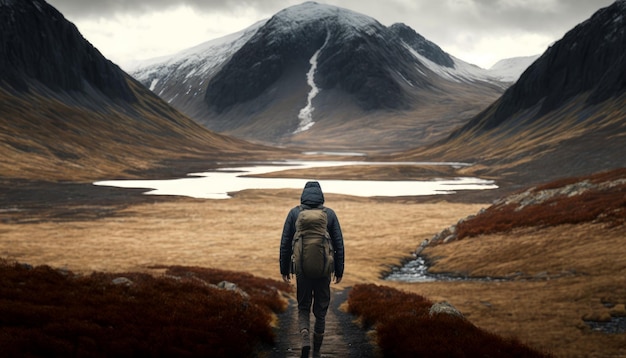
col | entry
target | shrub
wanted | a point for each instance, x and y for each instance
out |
(405, 329)
(601, 204)
(48, 312)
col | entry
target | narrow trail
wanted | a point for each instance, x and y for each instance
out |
(343, 338)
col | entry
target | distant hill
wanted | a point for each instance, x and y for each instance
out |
(322, 76)
(66, 112)
(565, 116)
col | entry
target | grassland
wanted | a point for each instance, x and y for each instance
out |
(556, 275)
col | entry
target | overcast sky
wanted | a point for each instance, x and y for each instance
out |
(476, 31)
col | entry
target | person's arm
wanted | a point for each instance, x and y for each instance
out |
(289, 229)
(336, 236)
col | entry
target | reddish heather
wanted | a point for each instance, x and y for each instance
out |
(604, 202)
(405, 328)
(49, 312)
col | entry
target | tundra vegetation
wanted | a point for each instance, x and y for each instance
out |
(555, 273)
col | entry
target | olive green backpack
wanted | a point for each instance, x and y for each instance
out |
(312, 252)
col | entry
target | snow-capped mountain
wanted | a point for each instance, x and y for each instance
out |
(319, 71)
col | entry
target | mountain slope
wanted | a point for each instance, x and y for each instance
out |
(68, 113)
(565, 116)
(318, 75)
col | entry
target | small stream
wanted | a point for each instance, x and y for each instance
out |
(416, 270)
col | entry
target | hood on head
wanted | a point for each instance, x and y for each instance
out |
(312, 194)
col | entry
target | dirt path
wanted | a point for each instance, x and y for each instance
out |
(343, 337)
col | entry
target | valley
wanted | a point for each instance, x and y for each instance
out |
(558, 275)
(546, 152)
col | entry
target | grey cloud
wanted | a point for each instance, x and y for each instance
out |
(442, 21)
(544, 15)
(106, 8)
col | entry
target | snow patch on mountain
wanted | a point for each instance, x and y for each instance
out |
(510, 69)
(306, 113)
(504, 72)
(195, 62)
(461, 72)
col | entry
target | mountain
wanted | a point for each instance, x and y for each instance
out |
(318, 75)
(68, 113)
(565, 116)
(510, 69)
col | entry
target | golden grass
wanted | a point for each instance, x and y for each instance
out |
(241, 234)
(583, 264)
(43, 138)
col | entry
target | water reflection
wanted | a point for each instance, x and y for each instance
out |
(217, 184)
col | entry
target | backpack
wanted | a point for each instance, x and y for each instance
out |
(312, 252)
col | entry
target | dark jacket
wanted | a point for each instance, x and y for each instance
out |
(312, 197)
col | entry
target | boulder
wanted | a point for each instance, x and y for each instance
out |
(122, 281)
(445, 308)
(229, 286)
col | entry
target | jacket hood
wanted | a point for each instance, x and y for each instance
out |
(312, 195)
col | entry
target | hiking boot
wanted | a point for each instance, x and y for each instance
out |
(306, 343)
(318, 338)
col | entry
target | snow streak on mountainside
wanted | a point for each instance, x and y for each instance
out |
(306, 113)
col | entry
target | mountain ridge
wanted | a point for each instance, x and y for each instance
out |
(565, 115)
(366, 75)
(69, 113)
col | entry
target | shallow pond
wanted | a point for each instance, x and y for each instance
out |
(217, 184)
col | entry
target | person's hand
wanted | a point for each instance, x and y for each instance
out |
(337, 279)
(287, 278)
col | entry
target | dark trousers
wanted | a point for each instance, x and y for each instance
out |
(316, 293)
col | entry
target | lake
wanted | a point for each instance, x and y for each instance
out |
(218, 183)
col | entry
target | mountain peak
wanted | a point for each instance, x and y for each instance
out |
(312, 11)
(351, 43)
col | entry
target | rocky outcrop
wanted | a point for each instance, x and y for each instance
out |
(445, 308)
(122, 281)
(521, 201)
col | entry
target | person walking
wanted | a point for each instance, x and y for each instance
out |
(312, 292)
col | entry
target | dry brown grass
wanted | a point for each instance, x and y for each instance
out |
(560, 276)
(43, 138)
(240, 234)
(583, 264)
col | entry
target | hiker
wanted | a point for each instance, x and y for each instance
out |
(313, 292)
